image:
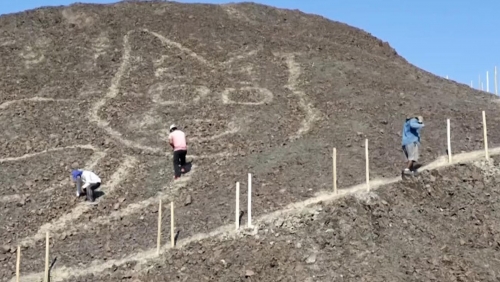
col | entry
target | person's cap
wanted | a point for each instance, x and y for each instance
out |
(173, 126)
(420, 119)
(76, 173)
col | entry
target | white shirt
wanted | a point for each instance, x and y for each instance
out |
(88, 177)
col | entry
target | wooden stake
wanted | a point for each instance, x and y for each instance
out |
(482, 87)
(237, 209)
(18, 263)
(485, 133)
(172, 227)
(158, 240)
(367, 166)
(335, 170)
(496, 82)
(487, 82)
(448, 133)
(47, 257)
(249, 224)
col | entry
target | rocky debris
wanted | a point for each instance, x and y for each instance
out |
(5, 249)
(311, 259)
(188, 200)
(342, 74)
(21, 203)
(249, 273)
(357, 233)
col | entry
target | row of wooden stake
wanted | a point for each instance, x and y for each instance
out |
(480, 83)
(367, 168)
(485, 138)
(450, 158)
(237, 214)
(249, 202)
(159, 236)
(18, 260)
(172, 227)
(47, 241)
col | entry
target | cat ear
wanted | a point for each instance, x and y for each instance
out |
(179, 61)
(184, 68)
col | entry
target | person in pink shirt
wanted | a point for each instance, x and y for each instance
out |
(177, 140)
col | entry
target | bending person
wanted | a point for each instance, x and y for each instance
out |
(90, 182)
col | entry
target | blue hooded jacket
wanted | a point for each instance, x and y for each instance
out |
(76, 173)
(411, 131)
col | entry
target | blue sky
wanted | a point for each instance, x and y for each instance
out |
(457, 38)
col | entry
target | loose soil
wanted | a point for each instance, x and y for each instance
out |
(438, 227)
(256, 89)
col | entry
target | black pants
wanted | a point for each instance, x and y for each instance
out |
(179, 161)
(95, 186)
(91, 186)
(90, 191)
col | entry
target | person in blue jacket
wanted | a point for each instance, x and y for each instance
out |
(411, 141)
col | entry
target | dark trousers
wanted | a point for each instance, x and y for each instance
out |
(95, 186)
(179, 161)
(91, 186)
(90, 192)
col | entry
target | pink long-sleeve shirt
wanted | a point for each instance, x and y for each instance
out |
(178, 140)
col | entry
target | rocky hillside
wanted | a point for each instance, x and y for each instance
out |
(441, 227)
(256, 89)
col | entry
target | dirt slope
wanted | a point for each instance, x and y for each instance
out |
(441, 227)
(256, 89)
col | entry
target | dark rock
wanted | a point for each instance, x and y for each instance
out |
(188, 200)
(4, 249)
(249, 273)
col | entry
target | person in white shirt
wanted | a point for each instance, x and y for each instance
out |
(90, 182)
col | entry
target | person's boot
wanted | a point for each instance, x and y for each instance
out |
(407, 171)
(414, 167)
